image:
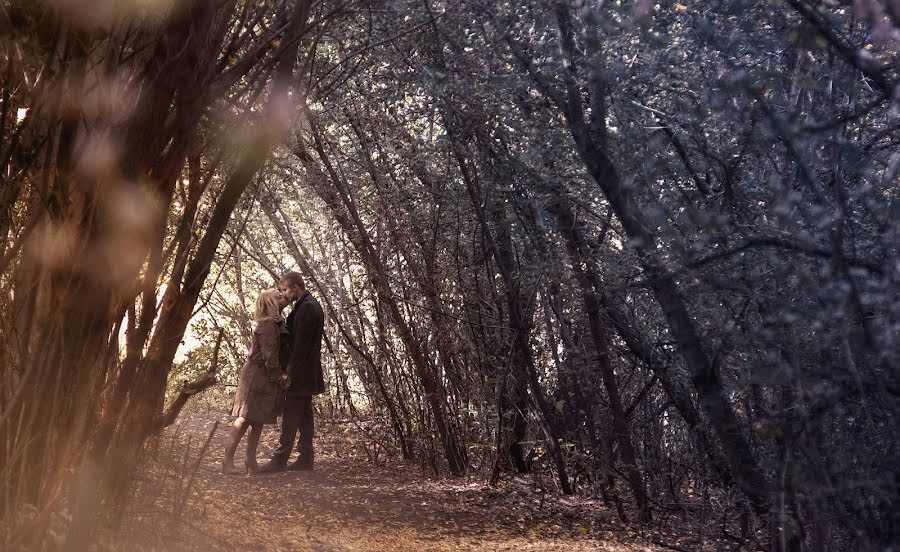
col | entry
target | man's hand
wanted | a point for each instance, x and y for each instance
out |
(284, 381)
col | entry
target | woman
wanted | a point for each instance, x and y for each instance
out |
(258, 394)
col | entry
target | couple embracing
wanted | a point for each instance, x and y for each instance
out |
(280, 377)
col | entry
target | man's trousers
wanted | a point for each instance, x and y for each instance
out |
(297, 416)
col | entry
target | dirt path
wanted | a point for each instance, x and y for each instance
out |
(349, 504)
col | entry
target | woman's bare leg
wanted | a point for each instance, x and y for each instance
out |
(238, 428)
(252, 443)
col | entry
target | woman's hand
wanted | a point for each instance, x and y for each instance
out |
(284, 381)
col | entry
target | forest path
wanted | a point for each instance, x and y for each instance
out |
(349, 504)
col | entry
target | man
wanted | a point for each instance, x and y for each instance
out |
(302, 357)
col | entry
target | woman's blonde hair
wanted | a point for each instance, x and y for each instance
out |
(267, 306)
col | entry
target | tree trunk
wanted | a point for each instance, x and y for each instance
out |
(500, 247)
(344, 210)
(588, 280)
(589, 144)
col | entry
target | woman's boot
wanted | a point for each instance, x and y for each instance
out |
(234, 437)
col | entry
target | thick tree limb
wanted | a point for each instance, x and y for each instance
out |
(807, 248)
(877, 74)
(189, 389)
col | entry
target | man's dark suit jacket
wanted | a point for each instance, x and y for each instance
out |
(301, 349)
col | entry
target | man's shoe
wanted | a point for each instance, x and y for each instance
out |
(273, 466)
(300, 465)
